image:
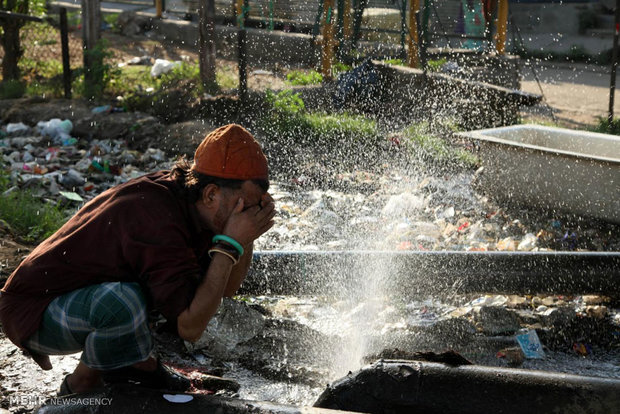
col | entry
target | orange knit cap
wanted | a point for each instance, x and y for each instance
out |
(231, 152)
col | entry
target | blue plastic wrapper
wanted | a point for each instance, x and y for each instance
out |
(530, 345)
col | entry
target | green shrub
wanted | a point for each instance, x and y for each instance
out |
(11, 89)
(101, 72)
(285, 102)
(606, 127)
(395, 62)
(111, 19)
(297, 77)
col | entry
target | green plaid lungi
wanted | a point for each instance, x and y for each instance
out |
(108, 322)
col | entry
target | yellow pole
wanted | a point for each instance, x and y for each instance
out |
(501, 26)
(158, 8)
(413, 60)
(327, 55)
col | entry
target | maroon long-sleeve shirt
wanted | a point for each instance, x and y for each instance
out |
(140, 231)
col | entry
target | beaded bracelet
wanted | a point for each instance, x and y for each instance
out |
(227, 239)
(225, 253)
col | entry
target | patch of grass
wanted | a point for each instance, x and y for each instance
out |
(356, 128)
(31, 68)
(395, 62)
(28, 216)
(421, 141)
(435, 65)
(298, 77)
(289, 120)
(340, 67)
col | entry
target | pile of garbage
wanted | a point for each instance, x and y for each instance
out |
(52, 164)
(392, 211)
(401, 212)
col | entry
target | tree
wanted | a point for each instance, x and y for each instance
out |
(206, 49)
(9, 33)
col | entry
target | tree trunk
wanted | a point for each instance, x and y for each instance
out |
(12, 50)
(206, 48)
(93, 61)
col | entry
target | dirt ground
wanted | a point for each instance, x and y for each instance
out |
(577, 93)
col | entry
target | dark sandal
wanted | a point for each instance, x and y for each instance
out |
(64, 388)
(163, 377)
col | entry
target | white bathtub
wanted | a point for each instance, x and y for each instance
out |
(575, 172)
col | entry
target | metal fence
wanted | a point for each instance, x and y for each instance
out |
(46, 57)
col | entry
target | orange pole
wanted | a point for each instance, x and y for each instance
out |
(501, 26)
(413, 59)
(158, 8)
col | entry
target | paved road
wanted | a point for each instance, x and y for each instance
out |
(577, 92)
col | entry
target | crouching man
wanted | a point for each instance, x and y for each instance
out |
(175, 241)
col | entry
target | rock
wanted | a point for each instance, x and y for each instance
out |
(558, 316)
(288, 351)
(496, 320)
(115, 125)
(595, 299)
(72, 179)
(513, 355)
(213, 383)
(597, 311)
(235, 322)
(30, 111)
(527, 317)
(452, 331)
(183, 137)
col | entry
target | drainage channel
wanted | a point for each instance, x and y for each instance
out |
(428, 272)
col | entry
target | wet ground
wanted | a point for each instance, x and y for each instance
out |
(297, 345)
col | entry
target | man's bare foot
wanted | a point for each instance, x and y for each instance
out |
(148, 365)
(84, 379)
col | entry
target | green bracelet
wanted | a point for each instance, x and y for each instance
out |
(234, 243)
